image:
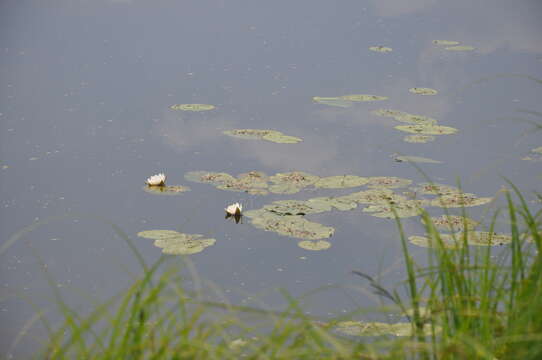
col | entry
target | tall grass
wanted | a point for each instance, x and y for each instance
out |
(465, 303)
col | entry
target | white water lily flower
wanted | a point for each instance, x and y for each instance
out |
(157, 180)
(234, 209)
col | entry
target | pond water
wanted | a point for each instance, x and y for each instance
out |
(85, 111)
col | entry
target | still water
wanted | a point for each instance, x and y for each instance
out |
(85, 95)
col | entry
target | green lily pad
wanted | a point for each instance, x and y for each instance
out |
(457, 200)
(453, 223)
(284, 188)
(192, 107)
(418, 139)
(341, 182)
(423, 91)
(339, 203)
(363, 97)
(474, 238)
(166, 190)
(427, 129)
(537, 155)
(209, 177)
(314, 245)
(403, 209)
(175, 243)
(333, 101)
(416, 159)
(435, 189)
(296, 178)
(372, 196)
(405, 117)
(382, 49)
(259, 134)
(389, 182)
(445, 42)
(460, 48)
(296, 207)
(359, 328)
(537, 150)
(292, 226)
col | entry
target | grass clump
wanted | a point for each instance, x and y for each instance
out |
(467, 302)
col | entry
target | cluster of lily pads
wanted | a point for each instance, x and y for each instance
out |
(347, 100)
(382, 49)
(287, 217)
(423, 127)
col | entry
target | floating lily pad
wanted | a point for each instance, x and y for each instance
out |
(435, 189)
(314, 245)
(192, 107)
(291, 182)
(333, 101)
(474, 238)
(209, 177)
(445, 42)
(453, 223)
(404, 117)
(363, 97)
(427, 129)
(390, 182)
(382, 49)
(341, 182)
(416, 159)
(293, 226)
(339, 203)
(359, 328)
(372, 196)
(296, 207)
(537, 155)
(269, 135)
(418, 139)
(403, 209)
(175, 243)
(456, 200)
(460, 48)
(423, 91)
(537, 150)
(166, 190)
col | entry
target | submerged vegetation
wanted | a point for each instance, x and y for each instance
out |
(467, 302)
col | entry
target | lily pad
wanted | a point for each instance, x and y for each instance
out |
(474, 238)
(405, 117)
(372, 196)
(423, 91)
(192, 107)
(537, 155)
(427, 129)
(382, 49)
(333, 101)
(339, 203)
(445, 42)
(314, 245)
(166, 190)
(359, 328)
(259, 134)
(292, 226)
(389, 182)
(537, 150)
(453, 223)
(457, 200)
(296, 207)
(175, 243)
(460, 48)
(435, 189)
(287, 183)
(418, 139)
(416, 159)
(209, 177)
(403, 209)
(363, 97)
(341, 182)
